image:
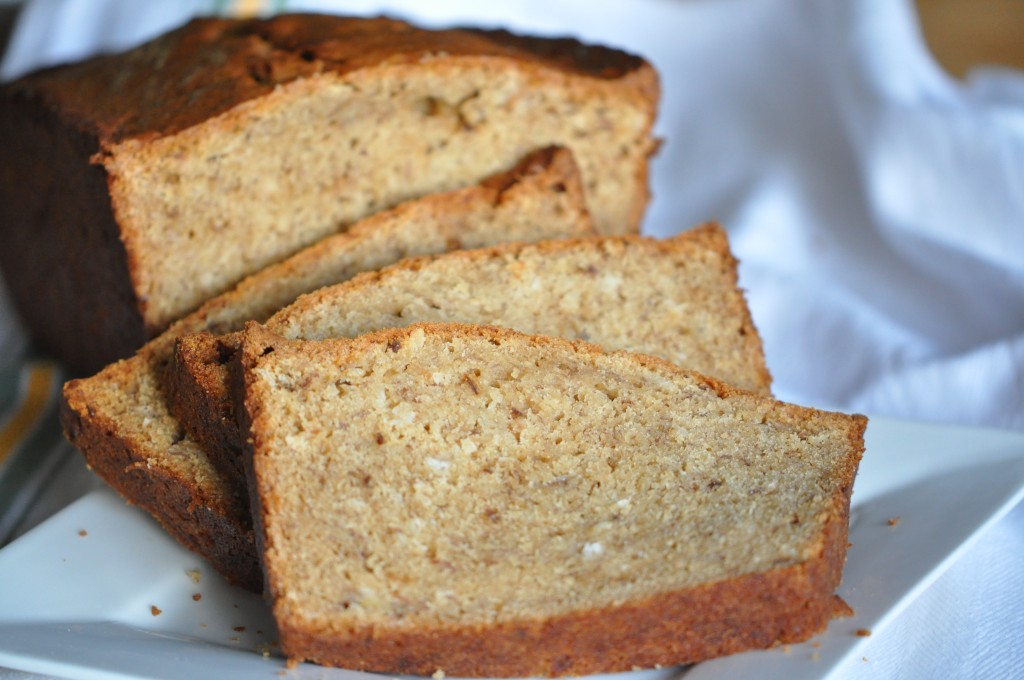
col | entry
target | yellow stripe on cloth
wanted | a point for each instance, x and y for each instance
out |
(34, 398)
(248, 8)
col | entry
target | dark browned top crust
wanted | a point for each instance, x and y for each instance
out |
(209, 66)
(49, 210)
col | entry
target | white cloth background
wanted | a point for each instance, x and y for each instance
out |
(875, 203)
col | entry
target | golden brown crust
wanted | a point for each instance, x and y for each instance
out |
(196, 382)
(253, 342)
(553, 165)
(755, 611)
(117, 97)
(204, 524)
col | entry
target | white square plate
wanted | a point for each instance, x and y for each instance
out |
(100, 591)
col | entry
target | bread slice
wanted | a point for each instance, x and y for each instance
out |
(171, 171)
(119, 418)
(471, 500)
(676, 298)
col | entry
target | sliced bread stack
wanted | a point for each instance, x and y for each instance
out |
(553, 456)
(119, 417)
(675, 298)
(463, 497)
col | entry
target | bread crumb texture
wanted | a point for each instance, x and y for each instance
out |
(336, 143)
(119, 418)
(675, 298)
(453, 476)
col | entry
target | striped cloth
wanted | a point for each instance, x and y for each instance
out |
(40, 473)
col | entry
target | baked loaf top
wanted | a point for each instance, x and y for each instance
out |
(485, 503)
(119, 418)
(211, 65)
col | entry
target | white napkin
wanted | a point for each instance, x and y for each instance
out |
(875, 203)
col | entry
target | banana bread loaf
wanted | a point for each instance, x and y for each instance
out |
(476, 502)
(675, 298)
(137, 185)
(119, 418)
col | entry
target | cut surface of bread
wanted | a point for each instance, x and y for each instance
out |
(676, 298)
(210, 152)
(476, 501)
(119, 418)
